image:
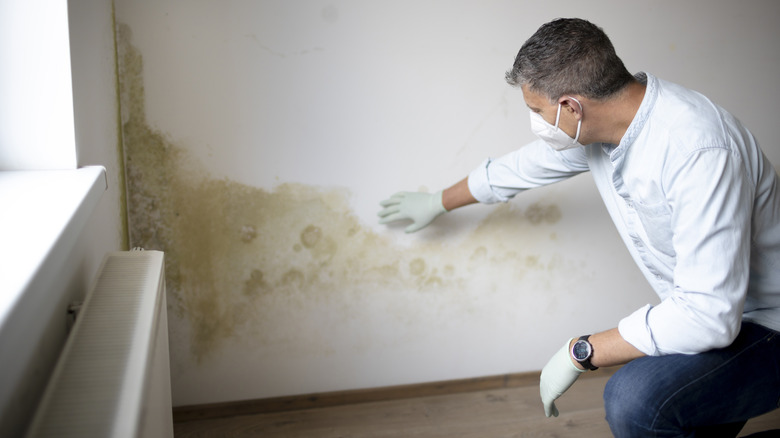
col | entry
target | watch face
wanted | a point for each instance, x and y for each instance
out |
(581, 350)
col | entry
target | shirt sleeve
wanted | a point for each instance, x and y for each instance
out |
(533, 165)
(710, 198)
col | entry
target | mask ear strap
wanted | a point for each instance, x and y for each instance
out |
(558, 117)
(579, 122)
(578, 102)
(579, 125)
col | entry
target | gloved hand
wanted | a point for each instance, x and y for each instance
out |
(557, 376)
(421, 208)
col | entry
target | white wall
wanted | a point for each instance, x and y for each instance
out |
(281, 125)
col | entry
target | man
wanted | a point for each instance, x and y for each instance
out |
(696, 202)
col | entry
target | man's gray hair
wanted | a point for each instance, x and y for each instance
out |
(569, 56)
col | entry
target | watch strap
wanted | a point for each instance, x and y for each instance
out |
(586, 362)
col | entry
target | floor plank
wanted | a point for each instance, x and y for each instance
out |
(500, 413)
(763, 423)
(514, 412)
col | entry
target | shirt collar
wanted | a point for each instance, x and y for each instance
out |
(645, 108)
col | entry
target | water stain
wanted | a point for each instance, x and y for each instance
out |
(293, 278)
(255, 284)
(310, 236)
(248, 233)
(417, 266)
(537, 213)
(479, 254)
(242, 261)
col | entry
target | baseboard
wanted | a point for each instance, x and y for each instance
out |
(340, 398)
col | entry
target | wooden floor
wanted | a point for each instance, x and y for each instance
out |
(504, 412)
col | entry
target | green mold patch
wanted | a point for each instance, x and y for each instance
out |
(242, 262)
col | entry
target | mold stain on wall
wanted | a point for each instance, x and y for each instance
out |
(244, 262)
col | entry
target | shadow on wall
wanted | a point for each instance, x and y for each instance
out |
(244, 261)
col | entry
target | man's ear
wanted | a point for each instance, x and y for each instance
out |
(571, 104)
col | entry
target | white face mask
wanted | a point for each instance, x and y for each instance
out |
(553, 135)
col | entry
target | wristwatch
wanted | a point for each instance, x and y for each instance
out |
(582, 352)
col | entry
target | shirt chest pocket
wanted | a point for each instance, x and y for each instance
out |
(656, 219)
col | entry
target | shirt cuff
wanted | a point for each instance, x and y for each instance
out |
(479, 185)
(635, 330)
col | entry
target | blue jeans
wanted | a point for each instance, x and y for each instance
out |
(709, 394)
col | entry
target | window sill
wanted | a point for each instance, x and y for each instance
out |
(43, 212)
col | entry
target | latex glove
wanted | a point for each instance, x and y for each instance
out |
(557, 376)
(421, 208)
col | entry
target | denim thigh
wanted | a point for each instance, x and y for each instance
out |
(674, 395)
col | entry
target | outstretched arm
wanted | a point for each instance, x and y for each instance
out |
(533, 165)
(458, 195)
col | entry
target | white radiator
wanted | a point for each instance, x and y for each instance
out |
(113, 377)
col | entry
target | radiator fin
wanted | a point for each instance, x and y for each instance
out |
(97, 389)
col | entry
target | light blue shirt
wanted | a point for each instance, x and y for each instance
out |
(697, 204)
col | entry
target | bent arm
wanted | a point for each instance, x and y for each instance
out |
(610, 349)
(710, 200)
